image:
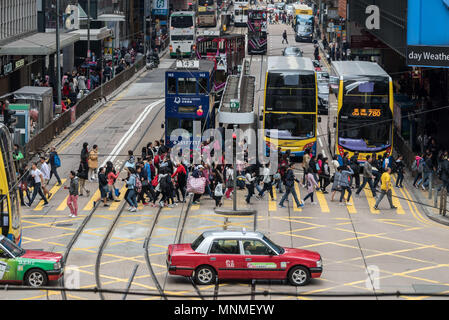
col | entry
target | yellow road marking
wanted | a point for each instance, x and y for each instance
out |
(298, 193)
(371, 201)
(90, 204)
(272, 204)
(323, 202)
(63, 205)
(53, 190)
(114, 205)
(396, 203)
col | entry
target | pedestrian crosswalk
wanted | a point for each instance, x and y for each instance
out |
(363, 203)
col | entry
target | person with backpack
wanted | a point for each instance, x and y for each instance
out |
(131, 185)
(311, 186)
(55, 163)
(367, 176)
(319, 161)
(166, 188)
(344, 183)
(313, 164)
(427, 172)
(417, 166)
(250, 178)
(326, 175)
(336, 182)
(140, 177)
(180, 176)
(83, 175)
(399, 168)
(290, 187)
(103, 187)
(267, 182)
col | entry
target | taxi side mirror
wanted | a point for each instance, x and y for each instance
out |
(271, 252)
(162, 126)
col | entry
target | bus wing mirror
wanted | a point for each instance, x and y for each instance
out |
(162, 125)
(319, 119)
(335, 125)
(261, 118)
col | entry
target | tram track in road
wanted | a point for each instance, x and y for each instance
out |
(83, 226)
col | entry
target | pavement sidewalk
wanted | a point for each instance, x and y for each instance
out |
(429, 206)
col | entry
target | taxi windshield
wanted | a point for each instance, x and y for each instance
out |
(278, 249)
(12, 247)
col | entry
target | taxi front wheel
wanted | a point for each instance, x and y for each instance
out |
(204, 275)
(36, 278)
(299, 276)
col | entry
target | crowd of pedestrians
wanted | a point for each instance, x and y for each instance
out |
(153, 178)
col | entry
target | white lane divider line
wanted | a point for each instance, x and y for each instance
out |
(119, 146)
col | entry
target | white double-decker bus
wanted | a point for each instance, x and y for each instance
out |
(182, 33)
(241, 13)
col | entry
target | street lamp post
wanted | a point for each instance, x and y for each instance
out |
(58, 56)
(88, 39)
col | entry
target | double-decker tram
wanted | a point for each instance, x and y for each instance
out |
(241, 14)
(257, 31)
(291, 105)
(226, 51)
(189, 97)
(206, 13)
(182, 33)
(363, 120)
(10, 221)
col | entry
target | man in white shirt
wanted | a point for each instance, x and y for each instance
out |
(38, 180)
(45, 169)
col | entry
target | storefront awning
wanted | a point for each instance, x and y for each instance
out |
(38, 44)
(95, 34)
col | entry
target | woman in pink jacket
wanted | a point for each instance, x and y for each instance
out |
(311, 185)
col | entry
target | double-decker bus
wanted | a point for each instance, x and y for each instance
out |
(257, 31)
(291, 105)
(226, 51)
(206, 13)
(304, 23)
(189, 97)
(241, 14)
(10, 221)
(363, 120)
(182, 33)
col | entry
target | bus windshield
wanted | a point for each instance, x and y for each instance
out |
(291, 91)
(182, 21)
(365, 117)
(290, 126)
(364, 136)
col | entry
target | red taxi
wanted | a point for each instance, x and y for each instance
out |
(241, 255)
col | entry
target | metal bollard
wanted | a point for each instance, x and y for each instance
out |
(443, 201)
(430, 185)
(435, 199)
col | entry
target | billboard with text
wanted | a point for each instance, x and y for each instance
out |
(427, 33)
